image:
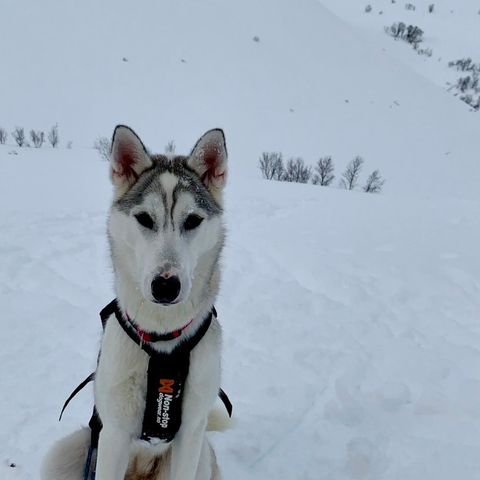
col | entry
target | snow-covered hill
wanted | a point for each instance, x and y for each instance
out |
(351, 320)
(312, 85)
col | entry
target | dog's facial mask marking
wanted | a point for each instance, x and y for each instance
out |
(167, 212)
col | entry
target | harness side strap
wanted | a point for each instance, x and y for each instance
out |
(107, 311)
(80, 387)
(226, 401)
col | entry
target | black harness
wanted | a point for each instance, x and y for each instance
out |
(166, 377)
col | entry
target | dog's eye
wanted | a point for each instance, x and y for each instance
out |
(192, 222)
(145, 220)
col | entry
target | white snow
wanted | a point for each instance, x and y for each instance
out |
(351, 321)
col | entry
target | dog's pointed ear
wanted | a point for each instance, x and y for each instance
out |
(128, 159)
(209, 160)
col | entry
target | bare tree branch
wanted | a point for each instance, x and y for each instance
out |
(297, 171)
(324, 172)
(271, 165)
(18, 135)
(374, 183)
(350, 175)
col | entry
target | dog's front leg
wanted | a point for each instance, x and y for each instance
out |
(113, 454)
(186, 450)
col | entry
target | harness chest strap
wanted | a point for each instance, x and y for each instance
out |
(167, 374)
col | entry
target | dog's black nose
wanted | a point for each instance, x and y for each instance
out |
(165, 290)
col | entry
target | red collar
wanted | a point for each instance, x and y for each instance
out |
(156, 337)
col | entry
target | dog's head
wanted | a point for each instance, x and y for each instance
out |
(165, 219)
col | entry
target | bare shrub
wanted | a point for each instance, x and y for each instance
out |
(409, 6)
(428, 52)
(374, 183)
(431, 8)
(3, 136)
(53, 137)
(37, 138)
(18, 135)
(410, 34)
(297, 171)
(69, 144)
(464, 65)
(271, 165)
(324, 172)
(368, 8)
(350, 175)
(396, 30)
(414, 35)
(170, 147)
(102, 146)
(467, 87)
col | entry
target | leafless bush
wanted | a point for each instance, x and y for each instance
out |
(410, 34)
(465, 65)
(368, 8)
(467, 87)
(428, 52)
(374, 183)
(350, 175)
(53, 136)
(3, 136)
(18, 135)
(414, 35)
(170, 147)
(102, 146)
(409, 6)
(37, 138)
(69, 144)
(271, 165)
(324, 172)
(396, 30)
(431, 8)
(297, 171)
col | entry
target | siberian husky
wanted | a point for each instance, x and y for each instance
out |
(166, 235)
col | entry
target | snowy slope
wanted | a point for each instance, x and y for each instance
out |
(451, 31)
(351, 325)
(351, 320)
(311, 86)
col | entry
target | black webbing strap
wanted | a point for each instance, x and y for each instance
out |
(226, 401)
(95, 425)
(77, 389)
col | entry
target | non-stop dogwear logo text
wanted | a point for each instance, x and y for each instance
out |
(164, 400)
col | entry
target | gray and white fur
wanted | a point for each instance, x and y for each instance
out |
(166, 235)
